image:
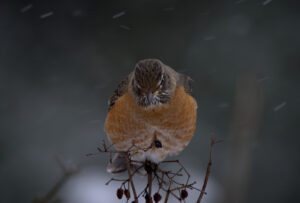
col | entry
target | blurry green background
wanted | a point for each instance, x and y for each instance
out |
(60, 60)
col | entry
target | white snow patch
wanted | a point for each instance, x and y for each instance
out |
(89, 187)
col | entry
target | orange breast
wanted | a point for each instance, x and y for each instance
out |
(172, 123)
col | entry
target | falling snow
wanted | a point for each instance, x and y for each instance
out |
(118, 15)
(26, 8)
(208, 38)
(240, 1)
(46, 15)
(263, 78)
(266, 2)
(280, 106)
(125, 27)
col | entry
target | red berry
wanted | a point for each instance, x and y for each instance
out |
(183, 194)
(157, 197)
(127, 194)
(120, 193)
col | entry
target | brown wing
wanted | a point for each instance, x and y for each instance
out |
(121, 90)
(185, 81)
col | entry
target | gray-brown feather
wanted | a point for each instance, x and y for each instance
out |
(122, 88)
(148, 73)
(120, 91)
(185, 81)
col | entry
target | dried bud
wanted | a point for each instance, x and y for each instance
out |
(148, 167)
(157, 197)
(127, 194)
(120, 193)
(147, 198)
(183, 194)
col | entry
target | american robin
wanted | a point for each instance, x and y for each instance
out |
(151, 114)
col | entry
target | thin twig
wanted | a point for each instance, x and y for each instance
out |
(130, 178)
(168, 193)
(53, 191)
(67, 173)
(114, 179)
(212, 143)
(150, 183)
(166, 179)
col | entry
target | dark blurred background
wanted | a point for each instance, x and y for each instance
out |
(60, 60)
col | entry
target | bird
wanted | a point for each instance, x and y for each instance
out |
(152, 114)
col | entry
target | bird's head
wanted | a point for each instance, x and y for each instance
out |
(152, 83)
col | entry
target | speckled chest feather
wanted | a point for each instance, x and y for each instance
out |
(173, 124)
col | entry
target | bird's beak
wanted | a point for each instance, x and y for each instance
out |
(149, 96)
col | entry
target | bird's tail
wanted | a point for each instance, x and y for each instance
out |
(119, 165)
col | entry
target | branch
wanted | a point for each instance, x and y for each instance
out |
(68, 172)
(212, 143)
(165, 179)
(130, 178)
